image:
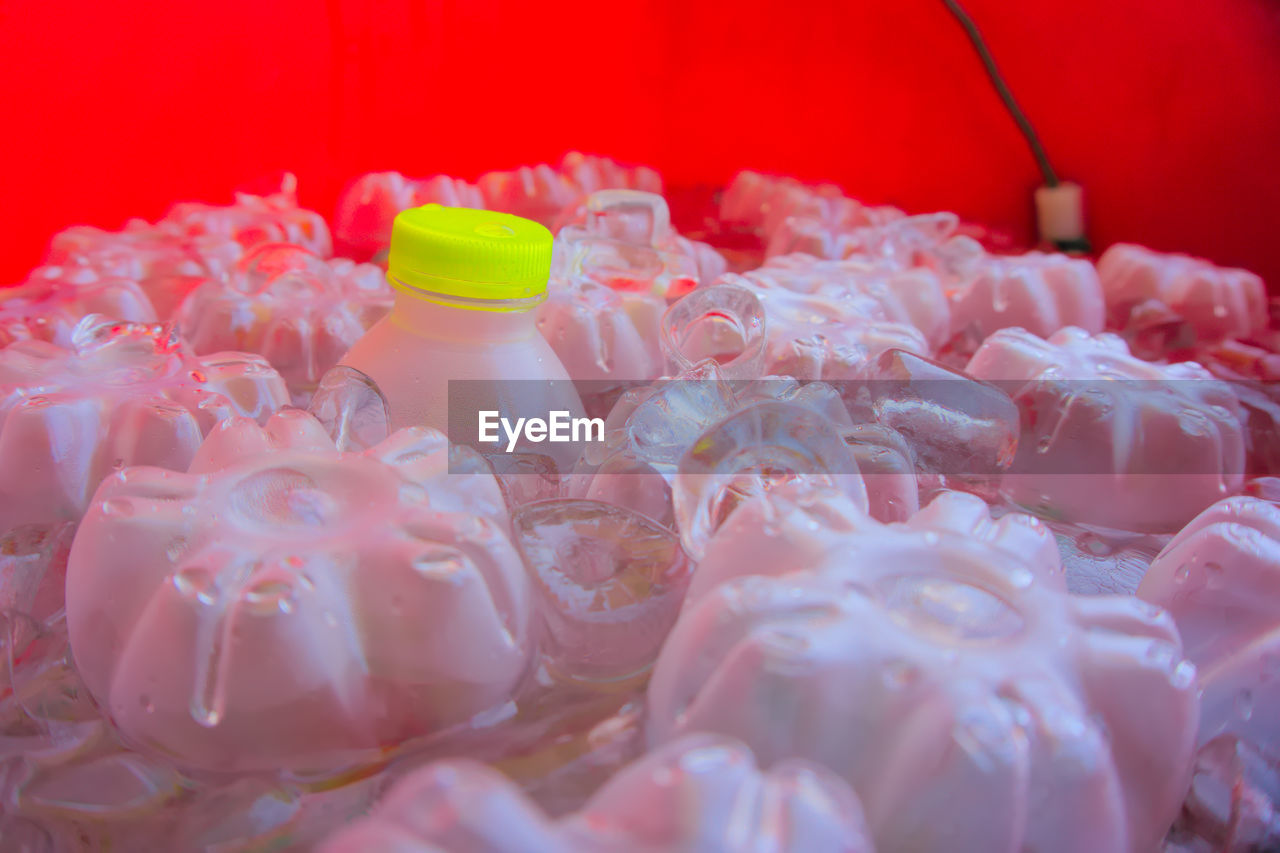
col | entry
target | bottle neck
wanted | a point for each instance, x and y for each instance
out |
(440, 320)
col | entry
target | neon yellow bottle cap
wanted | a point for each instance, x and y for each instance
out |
(470, 254)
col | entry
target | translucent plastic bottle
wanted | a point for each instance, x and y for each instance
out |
(466, 283)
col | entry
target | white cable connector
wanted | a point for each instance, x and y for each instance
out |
(1060, 214)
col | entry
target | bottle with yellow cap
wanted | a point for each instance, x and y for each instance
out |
(466, 284)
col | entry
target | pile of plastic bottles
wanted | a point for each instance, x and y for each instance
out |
(893, 542)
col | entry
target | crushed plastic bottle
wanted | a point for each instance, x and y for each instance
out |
(913, 296)
(299, 312)
(368, 207)
(963, 433)
(1234, 801)
(542, 193)
(756, 449)
(825, 320)
(1108, 439)
(254, 219)
(687, 795)
(724, 324)
(191, 244)
(609, 581)
(793, 217)
(1218, 302)
(994, 708)
(616, 263)
(125, 394)
(1220, 578)
(53, 300)
(605, 237)
(287, 605)
(1039, 292)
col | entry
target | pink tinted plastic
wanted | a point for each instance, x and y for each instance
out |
(1217, 301)
(285, 605)
(913, 297)
(1220, 578)
(1038, 292)
(541, 192)
(192, 243)
(992, 708)
(126, 394)
(53, 299)
(368, 207)
(288, 305)
(688, 795)
(1087, 405)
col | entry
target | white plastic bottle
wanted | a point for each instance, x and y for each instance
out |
(467, 282)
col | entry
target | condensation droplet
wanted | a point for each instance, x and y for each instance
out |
(119, 507)
(1094, 545)
(1183, 675)
(175, 549)
(196, 583)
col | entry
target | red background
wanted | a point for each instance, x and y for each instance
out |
(1168, 111)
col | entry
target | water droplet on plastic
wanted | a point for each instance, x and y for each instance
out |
(439, 563)
(1021, 578)
(196, 583)
(1183, 675)
(119, 507)
(270, 597)
(176, 548)
(1094, 545)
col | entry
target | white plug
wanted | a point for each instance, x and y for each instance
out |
(1060, 214)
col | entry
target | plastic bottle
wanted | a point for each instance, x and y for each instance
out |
(466, 284)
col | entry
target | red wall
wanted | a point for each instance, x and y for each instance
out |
(1167, 110)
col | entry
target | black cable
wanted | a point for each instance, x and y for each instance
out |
(1024, 124)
